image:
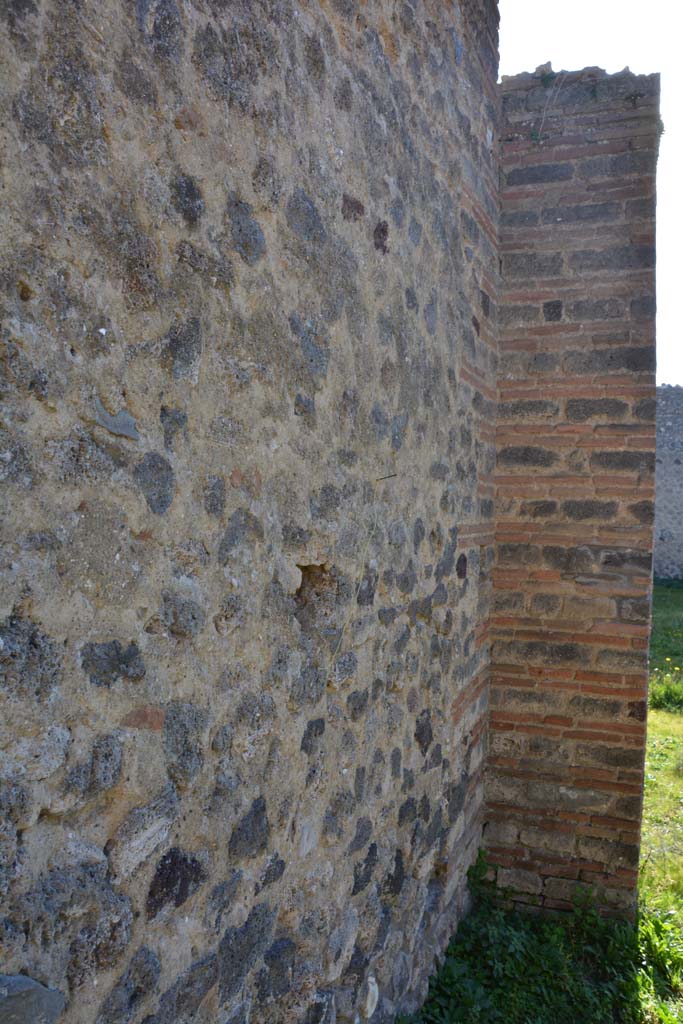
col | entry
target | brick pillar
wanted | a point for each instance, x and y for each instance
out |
(574, 484)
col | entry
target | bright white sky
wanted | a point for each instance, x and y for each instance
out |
(612, 34)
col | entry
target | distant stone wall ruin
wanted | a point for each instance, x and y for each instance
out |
(668, 561)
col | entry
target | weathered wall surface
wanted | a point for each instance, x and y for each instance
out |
(248, 281)
(574, 483)
(668, 557)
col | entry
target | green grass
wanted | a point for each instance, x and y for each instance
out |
(661, 872)
(504, 967)
(666, 641)
(666, 647)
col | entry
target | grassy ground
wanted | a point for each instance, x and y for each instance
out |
(507, 968)
(666, 642)
(661, 873)
(666, 647)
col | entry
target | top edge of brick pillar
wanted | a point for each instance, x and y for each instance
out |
(527, 94)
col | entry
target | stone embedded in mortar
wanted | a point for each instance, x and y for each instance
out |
(250, 835)
(363, 833)
(273, 872)
(216, 271)
(275, 979)
(177, 876)
(30, 661)
(183, 348)
(155, 477)
(241, 948)
(187, 199)
(313, 342)
(25, 1001)
(394, 880)
(101, 771)
(423, 731)
(455, 796)
(76, 911)
(247, 236)
(363, 870)
(322, 1010)
(182, 740)
(309, 687)
(182, 616)
(310, 741)
(142, 832)
(380, 237)
(139, 980)
(303, 217)
(182, 1000)
(15, 807)
(107, 662)
(214, 495)
(121, 424)
(243, 527)
(173, 422)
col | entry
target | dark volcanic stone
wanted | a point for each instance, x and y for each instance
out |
(455, 797)
(173, 421)
(380, 237)
(423, 731)
(247, 236)
(313, 344)
(107, 662)
(102, 771)
(275, 869)
(155, 477)
(526, 455)
(77, 908)
(187, 199)
(214, 496)
(183, 347)
(352, 209)
(393, 882)
(181, 1002)
(241, 948)
(250, 836)
(407, 812)
(310, 686)
(363, 833)
(183, 724)
(362, 872)
(30, 662)
(25, 1001)
(177, 876)
(243, 526)
(304, 219)
(183, 616)
(322, 1010)
(167, 31)
(314, 730)
(139, 980)
(276, 977)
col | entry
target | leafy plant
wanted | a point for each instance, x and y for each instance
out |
(506, 967)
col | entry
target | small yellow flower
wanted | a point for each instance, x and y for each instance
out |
(667, 659)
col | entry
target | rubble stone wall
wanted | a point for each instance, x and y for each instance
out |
(668, 559)
(248, 286)
(574, 484)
